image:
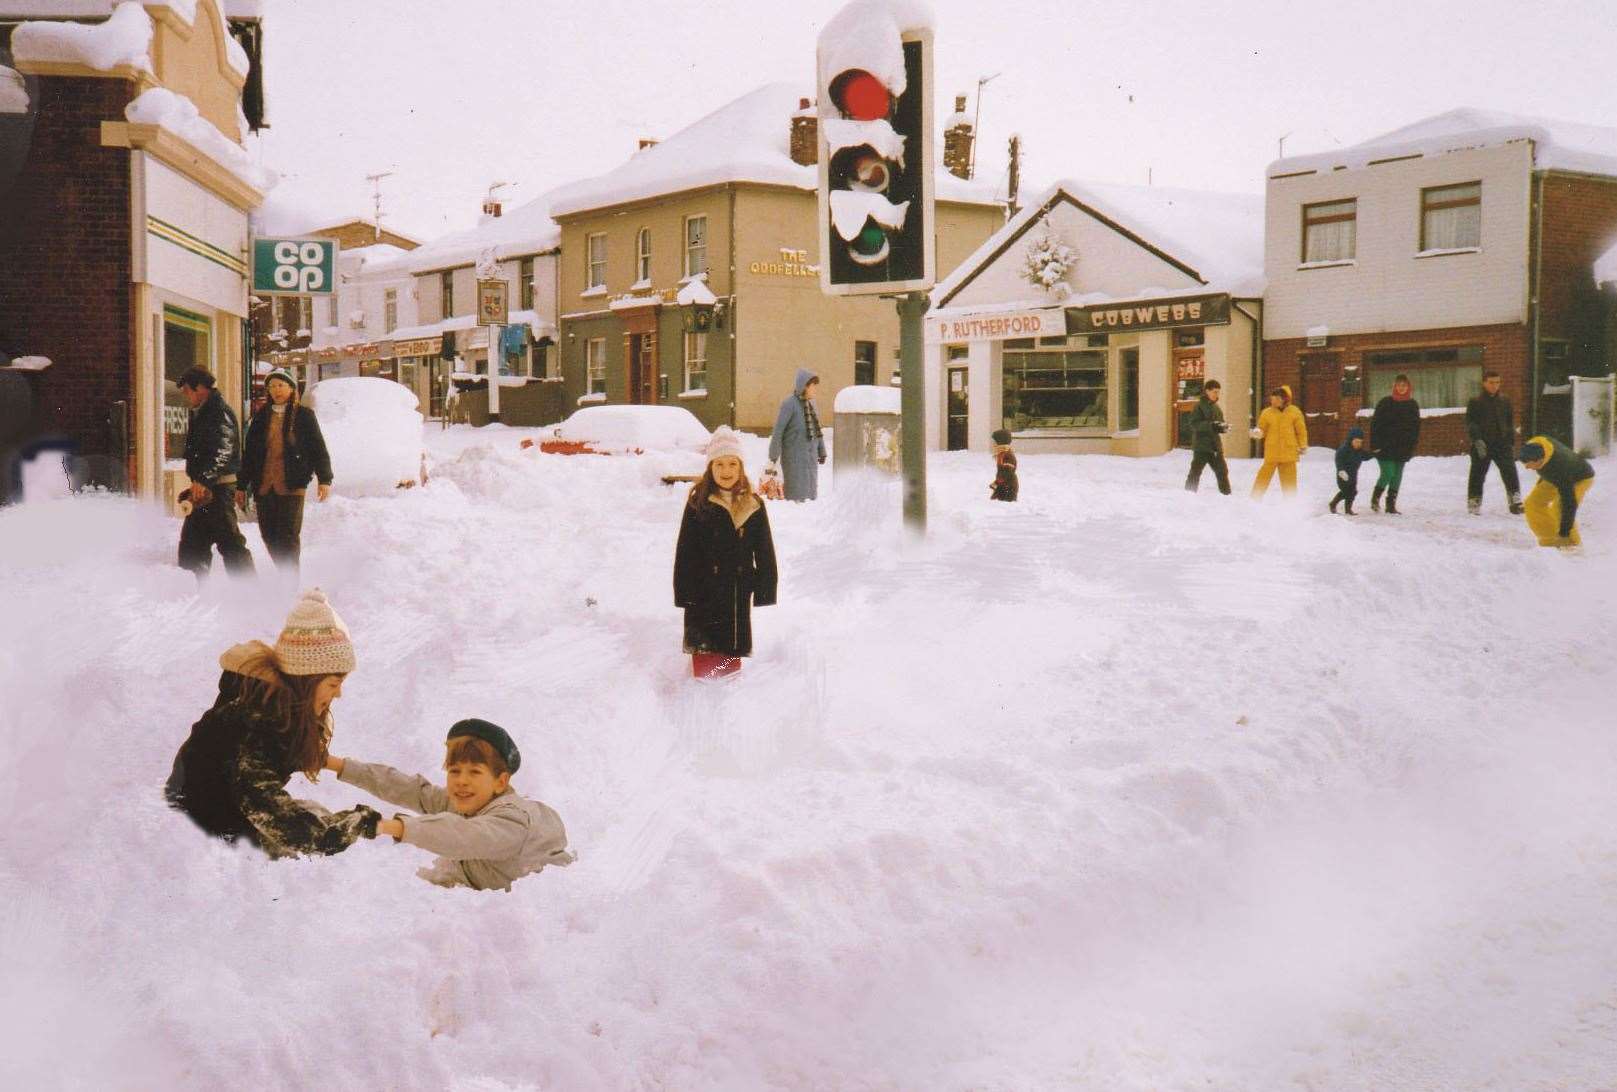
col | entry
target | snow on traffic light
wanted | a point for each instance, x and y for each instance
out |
(875, 163)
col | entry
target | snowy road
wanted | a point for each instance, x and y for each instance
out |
(1114, 788)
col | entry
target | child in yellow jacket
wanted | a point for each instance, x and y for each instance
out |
(1285, 438)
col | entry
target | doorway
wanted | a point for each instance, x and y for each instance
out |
(643, 369)
(958, 409)
(1322, 399)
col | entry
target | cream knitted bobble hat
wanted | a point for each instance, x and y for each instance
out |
(724, 441)
(314, 640)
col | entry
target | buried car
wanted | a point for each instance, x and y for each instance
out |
(373, 432)
(671, 436)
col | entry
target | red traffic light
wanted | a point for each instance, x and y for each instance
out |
(861, 169)
(861, 96)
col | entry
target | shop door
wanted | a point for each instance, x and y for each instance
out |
(1322, 400)
(643, 369)
(958, 415)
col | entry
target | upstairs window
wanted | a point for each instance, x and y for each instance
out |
(1330, 231)
(596, 272)
(695, 246)
(864, 362)
(642, 256)
(1451, 217)
(446, 294)
(525, 283)
(390, 311)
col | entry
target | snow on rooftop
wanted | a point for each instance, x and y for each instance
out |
(526, 229)
(696, 291)
(1219, 235)
(125, 39)
(1606, 267)
(13, 92)
(88, 9)
(745, 140)
(1563, 145)
(161, 107)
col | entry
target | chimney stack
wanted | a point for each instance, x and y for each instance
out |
(646, 142)
(805, 135)
(957, 139)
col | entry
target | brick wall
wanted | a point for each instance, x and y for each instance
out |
(65, 261)
(1579, 223)
(1506, 349)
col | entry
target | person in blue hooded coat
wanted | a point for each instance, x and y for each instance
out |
(797, 445)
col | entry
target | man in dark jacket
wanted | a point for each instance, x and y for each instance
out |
(1207, 428)
(1491, 425)
(1564, 477)
(212, 460)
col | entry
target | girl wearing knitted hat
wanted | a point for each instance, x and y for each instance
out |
(284, 449)
(724, 561)
(272, 719)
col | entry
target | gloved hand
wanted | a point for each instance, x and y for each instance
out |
(201, 495)
(822, 460)
(1342, 476)
(1479, 449)
(1256, 434)
(1221, 427)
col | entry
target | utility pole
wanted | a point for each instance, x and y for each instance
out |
(1015, 188)
(976, 125)
(376, 197)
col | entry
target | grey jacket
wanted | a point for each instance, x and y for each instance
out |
(511, 837)
(791, 446)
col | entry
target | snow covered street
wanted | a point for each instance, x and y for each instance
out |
(1116, 787)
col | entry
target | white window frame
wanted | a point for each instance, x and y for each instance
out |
(594, 267)
(595, 365)
(390, 310)
(642, 256)
(695, 360)
(695, 251)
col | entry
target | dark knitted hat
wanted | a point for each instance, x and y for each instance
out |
(1530, 453)
(1000, 436)
(493, 735)
(1355, 434)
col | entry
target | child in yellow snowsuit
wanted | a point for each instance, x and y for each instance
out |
(1564, 477)
(1285, 438)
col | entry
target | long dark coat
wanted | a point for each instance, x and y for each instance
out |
(720, 571)
(304, 458)
(1395, 428)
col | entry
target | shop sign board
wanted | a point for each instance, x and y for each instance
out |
(421, 346)
(493, 303)
(997, 325)
(294, 267)
(1149, 315)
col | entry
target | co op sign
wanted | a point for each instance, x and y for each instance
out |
(294, 267)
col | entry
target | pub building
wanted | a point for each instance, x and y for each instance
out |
(1091, 320)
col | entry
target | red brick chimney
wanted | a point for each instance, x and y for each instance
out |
(957, 140)
(646, 142)
(805, 135)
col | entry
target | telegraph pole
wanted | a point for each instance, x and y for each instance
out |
(376, 197)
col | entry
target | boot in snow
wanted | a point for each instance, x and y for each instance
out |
(1516, 508)
(1473, 505)
(1334, 502)
(1392, 503)
(1375, 498)
(1347, 507)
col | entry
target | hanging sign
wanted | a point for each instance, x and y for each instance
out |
(493, 303)
(294, 267)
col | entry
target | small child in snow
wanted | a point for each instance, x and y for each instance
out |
(485, 834)
(1349, 457)
(1005, 482)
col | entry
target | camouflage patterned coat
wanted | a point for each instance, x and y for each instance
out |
(230, 777)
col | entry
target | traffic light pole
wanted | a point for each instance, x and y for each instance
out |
(912, 405)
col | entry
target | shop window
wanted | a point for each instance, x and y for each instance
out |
(595, 275)
(1049, 388)
(446, 293)
(187, 343)
(1451, 217)
(595, 365)
(695, 245)
(1330, 231)
(525, 284)
(1441, 378)
(1190, 337)
(390, 311)
(642, 255)
(1128, 379)
(864, 362)
(696, 361)
(958, 352)
(409, 373)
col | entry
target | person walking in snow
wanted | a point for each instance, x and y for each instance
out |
(1349, 457)
(1005, 485)
(724, 561)
(1207, 429)
(1285, 438)
(212, 460)
(1564, 478)
(1394, 431)
(272, 719)
(284, 450)
(1490, 423)
(796, 445)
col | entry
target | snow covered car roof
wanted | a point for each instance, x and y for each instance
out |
(661, 428)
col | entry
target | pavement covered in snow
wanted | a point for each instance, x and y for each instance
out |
(1115, 787)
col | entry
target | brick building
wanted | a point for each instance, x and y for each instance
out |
(1459, 243)
(123, 240)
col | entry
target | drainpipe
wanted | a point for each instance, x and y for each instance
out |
(1537, 211)
(1256, 367)
(730, 319)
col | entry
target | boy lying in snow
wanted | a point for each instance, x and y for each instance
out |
(485, 835)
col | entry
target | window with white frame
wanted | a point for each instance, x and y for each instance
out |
(1330, 231)
(696, 361)
(1451, 217)
(331, 309)
(446, 293)
(595, 365)
(390, 310)
(642, 255)
(695, 245)
(305, 315)
(525, 284)
(595, 274)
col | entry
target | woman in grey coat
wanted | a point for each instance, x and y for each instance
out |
(796, 445)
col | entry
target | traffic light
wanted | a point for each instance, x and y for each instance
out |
(875, 161)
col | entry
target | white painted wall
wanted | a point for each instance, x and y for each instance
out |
(169, 196)
(1387, 288)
